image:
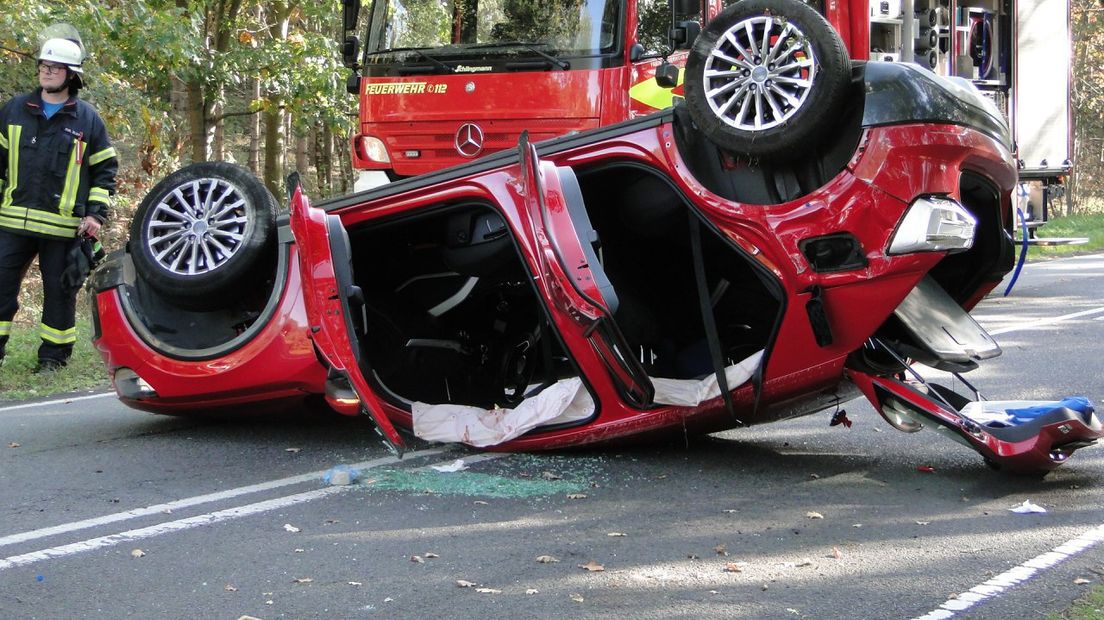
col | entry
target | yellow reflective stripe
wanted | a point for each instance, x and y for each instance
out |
(46, 229)
(99, 156)
(57, 336)
(98, 194)
(72, 181)
(5, 328)
(14, 132)
(651, 94)
(3, 140)
(39, 216)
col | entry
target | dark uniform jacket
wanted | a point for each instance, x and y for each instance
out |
(53, 171)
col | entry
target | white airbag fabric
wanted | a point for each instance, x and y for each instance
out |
(693, 392)
(566, 400)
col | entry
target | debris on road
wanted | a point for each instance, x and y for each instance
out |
(578, 598)
(1027, 507)
(1081, 581)
(341, 475)
(532, 591)
(303, 580)
(926, 469)
(137, 553)
(576, 496)
(465, 584)
(547, 559)
(230, 587)
(735, 567)
(814, 515)
(455, 466)
(488, 591)
(291, 528)
(13, 445)
(592, 567)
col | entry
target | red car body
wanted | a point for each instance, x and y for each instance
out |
(799, 267)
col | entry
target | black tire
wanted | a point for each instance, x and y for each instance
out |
(194, 259)
(774, 106)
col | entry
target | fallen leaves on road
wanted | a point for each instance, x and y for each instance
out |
(291, 528)
(488, 591)
(576, 496)
(548, 475)
(592, 566)
(923, 523)
(430, 554)
(465, 584)
(13, 445)
(547, 559)
(836, 553)
(137, 553)
(247, 618)
(616, 534)
(302, 580)
(532, 591)
(735, 567)
(354, 583)
(230, 587)
(293, 450)
(814, 515)
(805, 562)
(720, 550)
(417, 559)
(480, 502)
(1081, 581)
(578, 598)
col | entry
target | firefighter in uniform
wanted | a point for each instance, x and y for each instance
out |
(57, 174)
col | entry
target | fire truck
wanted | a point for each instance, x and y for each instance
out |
(441, 82)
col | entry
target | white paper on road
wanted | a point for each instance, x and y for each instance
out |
(565, 401)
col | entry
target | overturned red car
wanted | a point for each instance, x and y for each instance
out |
(801, 231)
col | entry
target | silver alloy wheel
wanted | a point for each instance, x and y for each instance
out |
(759, 73)
(197, 227)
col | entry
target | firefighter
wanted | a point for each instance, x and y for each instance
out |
(57, 175)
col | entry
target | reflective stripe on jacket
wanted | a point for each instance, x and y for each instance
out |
(54, 171)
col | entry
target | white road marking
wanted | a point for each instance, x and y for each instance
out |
(192, 501)
(1010, 578)
(191, 522)
(1044, 322)
(59, 401)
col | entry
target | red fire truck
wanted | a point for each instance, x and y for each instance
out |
(444, 81)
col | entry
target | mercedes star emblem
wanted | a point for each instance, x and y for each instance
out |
(469, 140)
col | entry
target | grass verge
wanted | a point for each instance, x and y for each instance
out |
(1088, 607)
(18, 380)
(1090, 226)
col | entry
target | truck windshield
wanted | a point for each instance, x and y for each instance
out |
(443, 28)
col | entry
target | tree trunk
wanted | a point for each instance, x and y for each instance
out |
(274, 146)
(197, 121)
(302, 162)
(255, 130)
(275, 134)
(325, 159)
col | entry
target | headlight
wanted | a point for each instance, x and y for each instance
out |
(933, 224)
(374, 149)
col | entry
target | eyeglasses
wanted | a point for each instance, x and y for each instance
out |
(51, 69)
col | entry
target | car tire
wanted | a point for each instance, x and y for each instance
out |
(774, 105)
(201, 231)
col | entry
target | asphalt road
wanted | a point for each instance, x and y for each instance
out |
(111, 513)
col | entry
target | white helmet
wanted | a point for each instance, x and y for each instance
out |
(63, 52)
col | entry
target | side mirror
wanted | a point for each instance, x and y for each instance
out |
(667, 75)
(352, 83)
(686, 7)
(636, 52)
(350, 13)
(682, 36)
(350, 49)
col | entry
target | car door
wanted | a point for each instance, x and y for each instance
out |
(330, 297)
(572, 273)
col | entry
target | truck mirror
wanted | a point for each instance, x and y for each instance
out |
(350, 49)
(636, 52)
(351, 13)
(667, 75)
(686, 7)
(352, 83)
(683, 35)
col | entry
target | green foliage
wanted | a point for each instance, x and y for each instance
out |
(18, 380)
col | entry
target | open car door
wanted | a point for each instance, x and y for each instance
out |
(572, 275)
(324, 261)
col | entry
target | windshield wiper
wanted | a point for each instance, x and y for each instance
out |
(418, 51)
(529, 45)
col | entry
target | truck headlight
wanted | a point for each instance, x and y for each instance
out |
(933, 224)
